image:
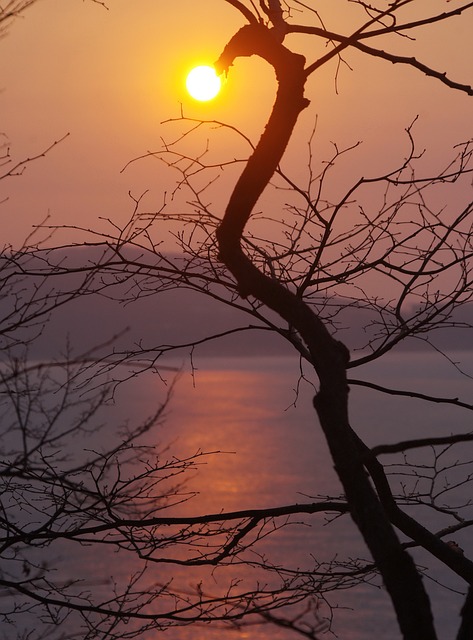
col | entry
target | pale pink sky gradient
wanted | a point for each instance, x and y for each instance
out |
(108, 78)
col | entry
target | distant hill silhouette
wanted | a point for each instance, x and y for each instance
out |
(183, 317)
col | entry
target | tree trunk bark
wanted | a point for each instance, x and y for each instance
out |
(329, 357)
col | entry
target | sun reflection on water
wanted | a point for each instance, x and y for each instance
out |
(267, 453)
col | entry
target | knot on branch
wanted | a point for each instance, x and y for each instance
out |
(256, 39)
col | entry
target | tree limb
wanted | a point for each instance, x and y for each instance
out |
(329, 357)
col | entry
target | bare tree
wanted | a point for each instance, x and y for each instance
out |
(305, 283)
(12, 10)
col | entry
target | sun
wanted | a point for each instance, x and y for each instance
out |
(203, 83)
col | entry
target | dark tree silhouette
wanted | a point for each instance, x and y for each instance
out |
(297, 286)
(329, 357)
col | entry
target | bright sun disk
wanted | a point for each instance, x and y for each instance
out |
(203, 83)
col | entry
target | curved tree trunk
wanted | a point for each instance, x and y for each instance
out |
(329, 357)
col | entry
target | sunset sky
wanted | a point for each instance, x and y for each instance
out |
(109, 78)
(109, 86)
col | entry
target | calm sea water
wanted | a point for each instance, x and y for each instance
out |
(271, 452)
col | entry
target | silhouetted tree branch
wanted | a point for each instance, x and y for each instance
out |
(75, 482)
